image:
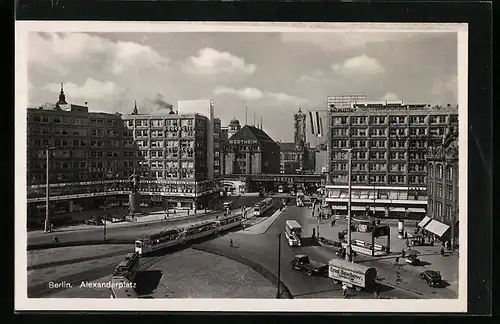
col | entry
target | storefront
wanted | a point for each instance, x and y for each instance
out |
(437, 229)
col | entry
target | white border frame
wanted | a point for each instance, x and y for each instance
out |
(22, 302)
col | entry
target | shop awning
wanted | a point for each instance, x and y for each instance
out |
(397, 209)
(436, 227)
(424, 222)
(379, 209)
(358, 208)
(416, 210)
(339, 207)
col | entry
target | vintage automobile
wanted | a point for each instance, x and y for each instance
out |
(302, 262)
(432, 277)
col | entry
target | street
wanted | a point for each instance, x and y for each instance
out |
(263, 249)
(130, 232)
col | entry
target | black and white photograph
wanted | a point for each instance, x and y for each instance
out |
(241, 166)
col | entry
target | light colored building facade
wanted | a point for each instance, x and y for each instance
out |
(389, 142)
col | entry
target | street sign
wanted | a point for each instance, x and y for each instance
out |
(381, 231)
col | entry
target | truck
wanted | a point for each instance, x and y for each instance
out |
(301, 262)
(354, 275)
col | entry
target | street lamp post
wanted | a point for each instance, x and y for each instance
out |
(349, 175)
(278, 295)
(105, 214)
(47, 228)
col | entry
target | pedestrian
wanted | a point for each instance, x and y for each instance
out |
(442, 251)
(403, 253)
(55, 239)
(407, 243)
(396, 261)
(398, 274)
(231, 244)
(344, 290)
(377, 292)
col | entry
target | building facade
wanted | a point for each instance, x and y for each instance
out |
(252, 151)
(92, 156)
(389, 142)
(443, 201)
(233, 128)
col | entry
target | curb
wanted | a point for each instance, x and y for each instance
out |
(285, 292)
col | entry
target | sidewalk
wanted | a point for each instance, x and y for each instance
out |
(154, 217)
(429, 255)
(262, 224)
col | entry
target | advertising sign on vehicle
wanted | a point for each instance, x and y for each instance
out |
(346, 275)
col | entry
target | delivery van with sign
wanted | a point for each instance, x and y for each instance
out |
(353, 275)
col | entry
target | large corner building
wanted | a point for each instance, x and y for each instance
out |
(389, 143)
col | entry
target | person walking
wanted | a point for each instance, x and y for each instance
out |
(231, 243)
(403, 253)
(398, 274)
(344, 290)
(377, 292)
(396, 261)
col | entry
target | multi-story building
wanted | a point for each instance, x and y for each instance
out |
(217, 148)
(92, 156)
(252, 151)
(174, 150)
(85, 155)
(442, 184)
(389, 143)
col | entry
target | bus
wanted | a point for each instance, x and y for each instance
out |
(225, 223)
(280, 189)
(293, 232)
(260, 208)
(199, 230)
(128, 268)
(157, 241)
(300, 198)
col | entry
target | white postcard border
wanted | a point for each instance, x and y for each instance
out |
(22, 302)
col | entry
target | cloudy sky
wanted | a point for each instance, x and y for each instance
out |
(271, 73)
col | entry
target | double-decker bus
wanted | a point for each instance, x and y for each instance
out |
(128, 268)
(293, 232)
(260, 208)
(225, 223)
(157, 241)
(199, 230)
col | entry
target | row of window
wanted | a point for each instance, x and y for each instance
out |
(394, 120)
(437, 172)
(380, 179)
(379, 167)
(159, 122)
(393, 132)
(437, 190)
(66, 120)
(401, 156)
(379, 143)
(436, 208)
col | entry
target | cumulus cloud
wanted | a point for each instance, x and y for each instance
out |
(390, 96)
(90, 89)
(60, 52)
(245, 93)
(307, 78)
(361, 64)
(212, 62)
(340, 41)
(446, 89)
(253, 94)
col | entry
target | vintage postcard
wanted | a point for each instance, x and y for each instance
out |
(304, 167)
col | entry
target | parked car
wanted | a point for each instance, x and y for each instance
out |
(302, 262)
(432, 277)
(93, 221)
